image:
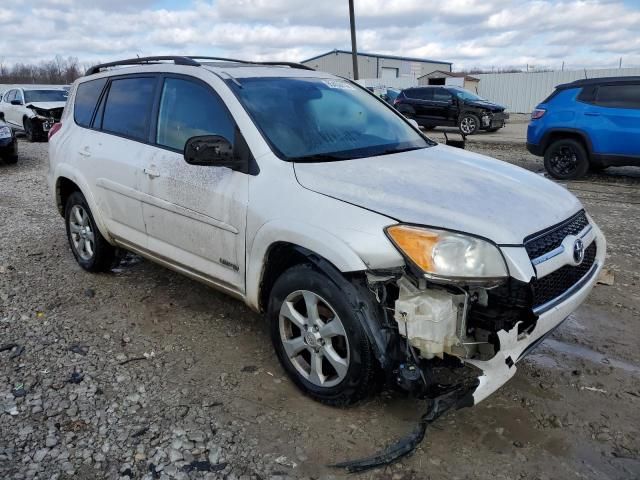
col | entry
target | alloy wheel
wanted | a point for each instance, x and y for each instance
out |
(82, 235)
(314, 338)
(467, 125)
(564, 160)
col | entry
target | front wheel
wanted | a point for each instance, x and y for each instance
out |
(318, 338)
(89, 247)
(566, 159)
(469, 124)
(29, 130)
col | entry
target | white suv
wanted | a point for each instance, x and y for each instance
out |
(33, 110)
(375, 253)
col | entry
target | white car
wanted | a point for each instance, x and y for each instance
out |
(374, 253)
(33, 110)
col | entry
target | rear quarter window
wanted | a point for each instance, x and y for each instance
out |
(86, 99)
(619, 96)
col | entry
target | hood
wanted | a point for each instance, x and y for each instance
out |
(492, 107)
(446, 187)
(46, 105)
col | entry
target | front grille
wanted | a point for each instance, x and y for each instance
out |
(543, 242)
(556, 283)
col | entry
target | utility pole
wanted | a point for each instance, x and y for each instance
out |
(354, 49)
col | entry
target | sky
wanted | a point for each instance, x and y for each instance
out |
(470, 33)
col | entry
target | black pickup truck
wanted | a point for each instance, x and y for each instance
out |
(450, 106)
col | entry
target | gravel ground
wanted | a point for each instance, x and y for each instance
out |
(142, 373)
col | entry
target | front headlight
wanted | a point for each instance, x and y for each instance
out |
(448, 256)
(5, 132)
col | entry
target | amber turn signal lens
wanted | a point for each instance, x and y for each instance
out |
(416, 243)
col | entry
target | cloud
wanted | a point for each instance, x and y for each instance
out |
(482, 33)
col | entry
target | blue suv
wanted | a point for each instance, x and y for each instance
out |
(591, 123)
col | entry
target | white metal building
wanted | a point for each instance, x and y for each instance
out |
(371, 65)
(521, 92)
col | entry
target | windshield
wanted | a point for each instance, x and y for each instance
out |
(45, 96)
(467, 95)
(309, 119)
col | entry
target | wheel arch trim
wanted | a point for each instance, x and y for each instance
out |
(65, 172)
(545, 142)
(313, 239)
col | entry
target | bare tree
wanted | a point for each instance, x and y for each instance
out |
(59, 71)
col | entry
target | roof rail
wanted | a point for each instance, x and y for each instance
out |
(143, 60)
(249, 62)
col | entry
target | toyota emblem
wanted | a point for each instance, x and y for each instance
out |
(578, 251)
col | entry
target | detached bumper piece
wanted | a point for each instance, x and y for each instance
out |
(458, 397)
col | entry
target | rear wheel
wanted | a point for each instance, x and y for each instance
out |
(319, 339)
(566, 159)
(469, 124)
(92, 251)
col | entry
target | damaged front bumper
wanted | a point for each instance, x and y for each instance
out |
(436, 324)
(514, 347)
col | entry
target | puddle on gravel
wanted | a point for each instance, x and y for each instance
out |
(584, 353)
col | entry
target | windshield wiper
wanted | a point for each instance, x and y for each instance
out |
(320, 157)
(391, 151)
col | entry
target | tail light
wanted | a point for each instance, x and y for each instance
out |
(54, 129)
(396, 101)
(538, 113)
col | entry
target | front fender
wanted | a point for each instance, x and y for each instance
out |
(315, 239)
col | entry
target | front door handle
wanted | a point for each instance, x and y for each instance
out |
(592, 114)
(85, 152)
(152, 172)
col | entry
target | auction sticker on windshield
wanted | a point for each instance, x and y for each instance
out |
(338, 84)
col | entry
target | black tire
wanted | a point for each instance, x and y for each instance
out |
(29, 131)
(12, 160)
(468, 124)
(362, 374)
(566, 159)
(103, 255)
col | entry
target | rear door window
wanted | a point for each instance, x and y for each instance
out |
(423, 94)
(86, 99)
(127, 110)
(619, 96)
(189, 109)
(441, 95)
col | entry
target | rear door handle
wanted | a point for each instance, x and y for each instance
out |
(85, 152)
(153, 173)
(592, 114)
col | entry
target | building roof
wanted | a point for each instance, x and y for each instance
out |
(450, 74)
(599, 81)
(376, 55)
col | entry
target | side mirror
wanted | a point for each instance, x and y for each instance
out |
(413, 122)
(16, 102)
(212, 150)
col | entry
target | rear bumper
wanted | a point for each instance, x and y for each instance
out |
(535, 149)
